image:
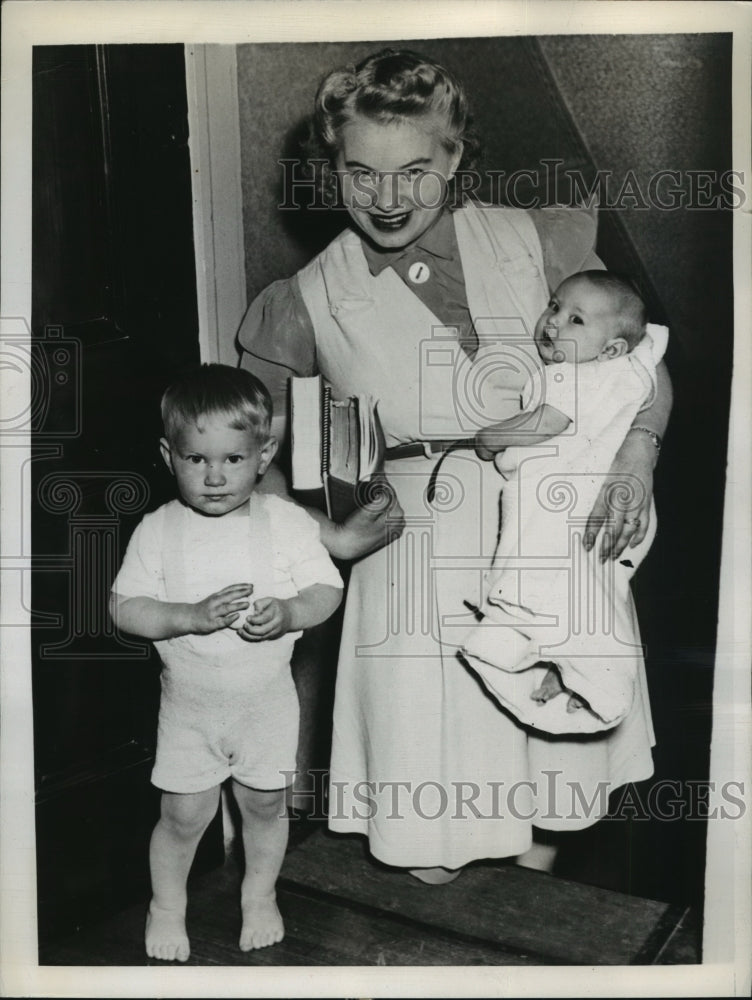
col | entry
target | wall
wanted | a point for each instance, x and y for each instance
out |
(653, 103)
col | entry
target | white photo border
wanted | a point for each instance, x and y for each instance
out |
(726, 967)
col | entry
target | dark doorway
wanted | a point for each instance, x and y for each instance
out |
(114, 316)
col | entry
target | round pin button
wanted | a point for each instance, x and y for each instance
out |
(419, 272)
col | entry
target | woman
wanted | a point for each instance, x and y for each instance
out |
(431, 310)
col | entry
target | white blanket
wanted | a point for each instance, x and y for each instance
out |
(547, 600)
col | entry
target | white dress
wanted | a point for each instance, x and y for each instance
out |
(424, 762)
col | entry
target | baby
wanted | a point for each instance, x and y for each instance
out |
(552, 624)
(228, 707)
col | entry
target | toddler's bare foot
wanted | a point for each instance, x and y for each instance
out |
(165, 935)
(262, 923)
(550, 686)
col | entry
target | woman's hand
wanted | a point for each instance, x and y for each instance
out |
(623, 504)
(370, 527)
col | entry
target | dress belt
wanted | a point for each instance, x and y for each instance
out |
(428, 449)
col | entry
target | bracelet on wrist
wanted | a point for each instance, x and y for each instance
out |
(653, 435)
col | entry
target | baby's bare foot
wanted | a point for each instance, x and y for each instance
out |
(550, 686)
(165, 935)
(262, 923)
(575, 703)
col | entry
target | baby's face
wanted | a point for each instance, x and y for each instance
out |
(216, 466)
(577, 324)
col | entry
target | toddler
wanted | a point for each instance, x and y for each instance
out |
(555, 617)
(228, 707)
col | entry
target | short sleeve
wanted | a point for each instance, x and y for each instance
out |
(276, 339)
(298, 542)
(141, 572)
(278, 328)
(567, 237)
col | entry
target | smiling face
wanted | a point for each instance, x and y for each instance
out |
(393, 178)
(216, 466)
(579, 325)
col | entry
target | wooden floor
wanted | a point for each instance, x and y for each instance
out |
(343, 909)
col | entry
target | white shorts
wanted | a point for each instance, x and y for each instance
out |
(217, 723)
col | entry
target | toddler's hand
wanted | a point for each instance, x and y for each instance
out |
(376, 522)
(220, 610)
(271, 618)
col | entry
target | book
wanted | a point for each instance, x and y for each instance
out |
(337, 447)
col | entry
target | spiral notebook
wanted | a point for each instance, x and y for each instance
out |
(337, 446)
